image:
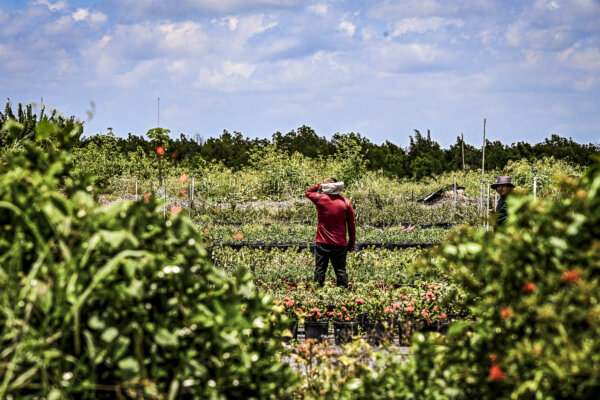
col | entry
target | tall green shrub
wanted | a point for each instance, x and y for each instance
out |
(534, 286)
(118, 302)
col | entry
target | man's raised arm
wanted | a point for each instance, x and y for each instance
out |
(312, 192)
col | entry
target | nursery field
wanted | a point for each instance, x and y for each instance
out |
(196, 281)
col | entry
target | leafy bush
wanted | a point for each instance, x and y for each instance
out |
(534, 287)
(115, 302)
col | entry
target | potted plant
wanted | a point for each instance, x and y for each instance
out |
(316, 324)
(344, 317)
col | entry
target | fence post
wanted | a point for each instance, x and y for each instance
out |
(487, 206)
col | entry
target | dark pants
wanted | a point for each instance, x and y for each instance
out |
(337, 255)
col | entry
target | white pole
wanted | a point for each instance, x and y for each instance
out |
(136, 189)
(165, 198)
(487, 205)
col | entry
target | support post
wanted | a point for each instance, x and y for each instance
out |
(136, 189)
(165, 198)
(487, 205)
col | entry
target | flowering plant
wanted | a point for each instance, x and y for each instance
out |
(346, 310)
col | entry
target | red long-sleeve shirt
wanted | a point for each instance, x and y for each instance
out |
(335, 212)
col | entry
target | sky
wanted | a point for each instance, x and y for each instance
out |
(378, 68)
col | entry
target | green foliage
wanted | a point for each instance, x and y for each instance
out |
(533, 286)
(549, 172)
(276, 265)
(107, 302)
(349, 163)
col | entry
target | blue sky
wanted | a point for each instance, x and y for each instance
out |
(380, 68)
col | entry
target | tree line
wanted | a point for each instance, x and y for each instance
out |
(423, 156)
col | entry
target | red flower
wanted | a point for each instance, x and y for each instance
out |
(315, 309)
(147, 197)
(174, 155)
(496, 373)
(429, 295)
(506, 312)
(318, 315)
(330, 313)
(175, 210)
(184, 178)
(160, 150)
(529, 287)
(409, 309)
(570, 276)
(238, 236)
(360, 301)
(182, 193)
(425, 313)
(493, 358)
(431, 286)
(443, 315)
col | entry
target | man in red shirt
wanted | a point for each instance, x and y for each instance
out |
(335, 212)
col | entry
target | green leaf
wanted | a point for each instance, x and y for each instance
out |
(165, 338)
(13, 128)
(109, 334)
(55, 394)
(130, 366)
(44, 129)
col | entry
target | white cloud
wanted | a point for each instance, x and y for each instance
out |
(582, 59)
(132, 78)
(52, 6)
(318, 9)
(522, 35)
(417, 57)
(347, 27)
(388, 10)
(231, 22)
(421, 25)
(241, 69)
(177, 67)
(83, 14)
(256, 24)
(551, 5)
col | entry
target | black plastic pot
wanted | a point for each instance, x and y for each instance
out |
(343, 331)
(294, 330)
(377, 333)
(316, 330)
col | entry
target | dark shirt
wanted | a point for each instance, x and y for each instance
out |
(335, 212)
(501, 214)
